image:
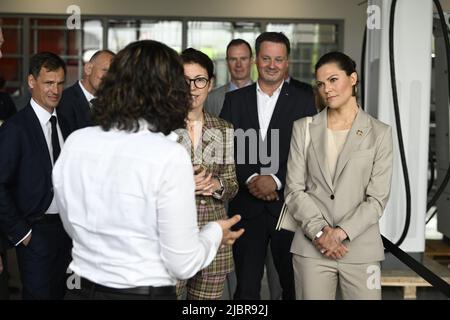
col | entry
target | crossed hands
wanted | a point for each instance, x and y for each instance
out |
(330, 243)
(205, 184)
(263, 187)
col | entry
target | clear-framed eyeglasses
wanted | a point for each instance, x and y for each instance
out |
(199, 83)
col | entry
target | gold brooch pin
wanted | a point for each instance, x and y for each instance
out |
(359, 132)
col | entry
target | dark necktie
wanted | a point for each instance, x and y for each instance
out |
(55, 140)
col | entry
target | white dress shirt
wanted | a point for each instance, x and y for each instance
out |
(266, 105)
(44, 119)
(127, 201)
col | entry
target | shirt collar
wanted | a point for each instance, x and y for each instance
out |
(276, 92)
(232, 86)
(172, 136)
(42, 114)
(145, 126)
(87, 94)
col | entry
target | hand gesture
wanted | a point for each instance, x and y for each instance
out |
(229, 237)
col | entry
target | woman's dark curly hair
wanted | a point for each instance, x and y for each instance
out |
(145, 81)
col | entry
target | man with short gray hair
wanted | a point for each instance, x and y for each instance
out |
(76, 101)
(239, 63)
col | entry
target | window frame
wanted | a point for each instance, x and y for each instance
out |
(27, 28)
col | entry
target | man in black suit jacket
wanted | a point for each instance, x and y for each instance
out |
(30, 142)
(265, 110)
(75, 104)
(6, 110)
(7, 106)
(308, 89)
(300, 85)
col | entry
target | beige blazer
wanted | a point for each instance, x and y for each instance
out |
(354, 200)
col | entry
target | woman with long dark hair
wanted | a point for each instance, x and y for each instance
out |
(125, 187)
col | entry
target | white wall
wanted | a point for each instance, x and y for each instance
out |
(354, 15)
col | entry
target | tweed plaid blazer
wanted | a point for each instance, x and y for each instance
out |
(216, 154)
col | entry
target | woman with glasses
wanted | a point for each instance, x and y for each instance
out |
(209, 141)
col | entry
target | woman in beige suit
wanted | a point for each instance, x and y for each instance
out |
(337, 188)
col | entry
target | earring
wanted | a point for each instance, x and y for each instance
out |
(354, 90)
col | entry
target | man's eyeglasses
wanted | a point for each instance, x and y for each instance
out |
(199, 83)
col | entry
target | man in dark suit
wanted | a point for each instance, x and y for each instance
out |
(6, 111)
(303, 86)
(75, 105)
(264, 111)
(30, 142)
(7, 106)
(239, 63)
(307, 89)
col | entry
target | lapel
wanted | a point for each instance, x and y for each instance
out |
(251, 104)
(280, 106)
(211, 138)
(359, 130)
(64, 126)
(318, 134)
(38, 138)
(81, 97)
(85, 109)
(183, 137)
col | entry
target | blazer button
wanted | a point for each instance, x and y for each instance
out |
(332, 197)
(202, 201)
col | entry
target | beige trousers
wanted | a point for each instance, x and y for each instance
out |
(319, 279)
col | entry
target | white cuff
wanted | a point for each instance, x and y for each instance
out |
(277, 181)
(29, 232)
(250, 178)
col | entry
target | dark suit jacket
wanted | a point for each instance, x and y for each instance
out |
(74, 108)
(240, 108)
(302, 86)
(3, 245)
(7, 106)
(26, 189)
(7, 109)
